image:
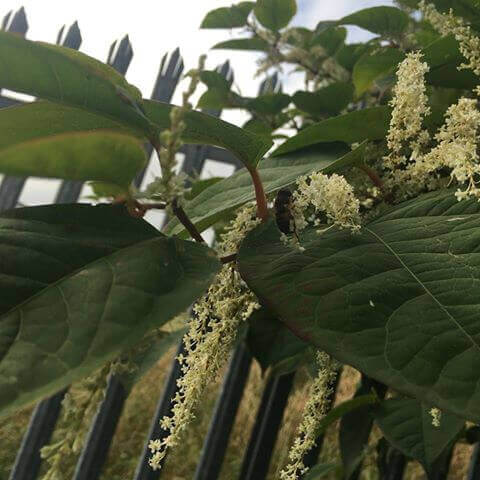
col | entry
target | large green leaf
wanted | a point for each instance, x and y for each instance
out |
(42, 244)
(367, 124)
(206, 129)
(329, 100)
(276, 173)
(407, 425)
(330, 37)
(66, 76)
(50, 140)
(84, 297)
(375, 65)
(269, 103)
(254, 43)
(349, 54)
(443, 57)
(228, 17)
(386, 21)
(275, 14)
(271, 343)
(399, 300)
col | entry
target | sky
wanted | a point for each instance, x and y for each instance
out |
(154, 28)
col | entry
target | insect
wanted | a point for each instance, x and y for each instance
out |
(283, 214)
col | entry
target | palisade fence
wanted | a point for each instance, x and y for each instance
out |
(257, 455)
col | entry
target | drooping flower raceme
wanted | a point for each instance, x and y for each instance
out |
(315, 409)
(212, 331)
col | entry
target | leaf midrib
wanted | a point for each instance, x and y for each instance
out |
(425, 288)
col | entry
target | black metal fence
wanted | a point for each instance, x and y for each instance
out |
(276, 391)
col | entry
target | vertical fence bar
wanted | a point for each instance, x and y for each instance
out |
(192, 159)
(99, 438)
(267, 424)
(216, 441)
(119, 59)
(45, 415)
(11, 187)
(168, 77)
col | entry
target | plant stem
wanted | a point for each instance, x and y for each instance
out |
(186, 222)
(228, 258)
(262, 210)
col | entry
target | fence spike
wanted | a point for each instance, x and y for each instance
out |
(5, 20)
(119, 58)
(19, 22)
(73, 38)
(110, 52)
(58, 41)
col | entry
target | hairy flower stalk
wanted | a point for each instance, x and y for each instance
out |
(436, 414)
(171, 186)
(79, 407)
(316, 408)
(331, 195)
(213, 328)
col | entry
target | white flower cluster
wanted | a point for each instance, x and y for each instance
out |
(217, 317)
(409, 104)
(412, 169)
(436, 416)
(449, 24)
(331, 195)
(316, 408)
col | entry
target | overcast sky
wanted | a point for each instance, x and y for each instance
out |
(156, 27)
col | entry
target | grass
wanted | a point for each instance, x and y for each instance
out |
(182, 462)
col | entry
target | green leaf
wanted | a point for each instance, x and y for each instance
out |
(200, 185)
(367, 124)
(257, 126)
(89, 304)
(228, 17)
(209, 130)
(214, 79)
(149, 355)
(42, 244)
(407, 425)
(375, 65)
(348, 55)
(254, 43)
(276, 173)
(331, 38)
(329, 100)
(321, 470)
(275, 14)
(214, 99)
(269, 103)
(108, 157)
(271, 343)
(443, 57)
(66, 76)
(356, 426)
(399, 300)
(383, 20)
(50, 140)
(107, 190)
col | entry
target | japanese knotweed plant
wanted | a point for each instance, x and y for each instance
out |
(354, 241)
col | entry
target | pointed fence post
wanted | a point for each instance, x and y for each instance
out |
(69, 190)
(12, 186)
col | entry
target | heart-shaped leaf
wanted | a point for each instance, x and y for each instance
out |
(407, 425)
(399, 301)
(71, 302)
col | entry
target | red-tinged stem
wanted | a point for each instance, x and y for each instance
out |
(262, 209)
(228, 258)
(376, 180)
(186, 222)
